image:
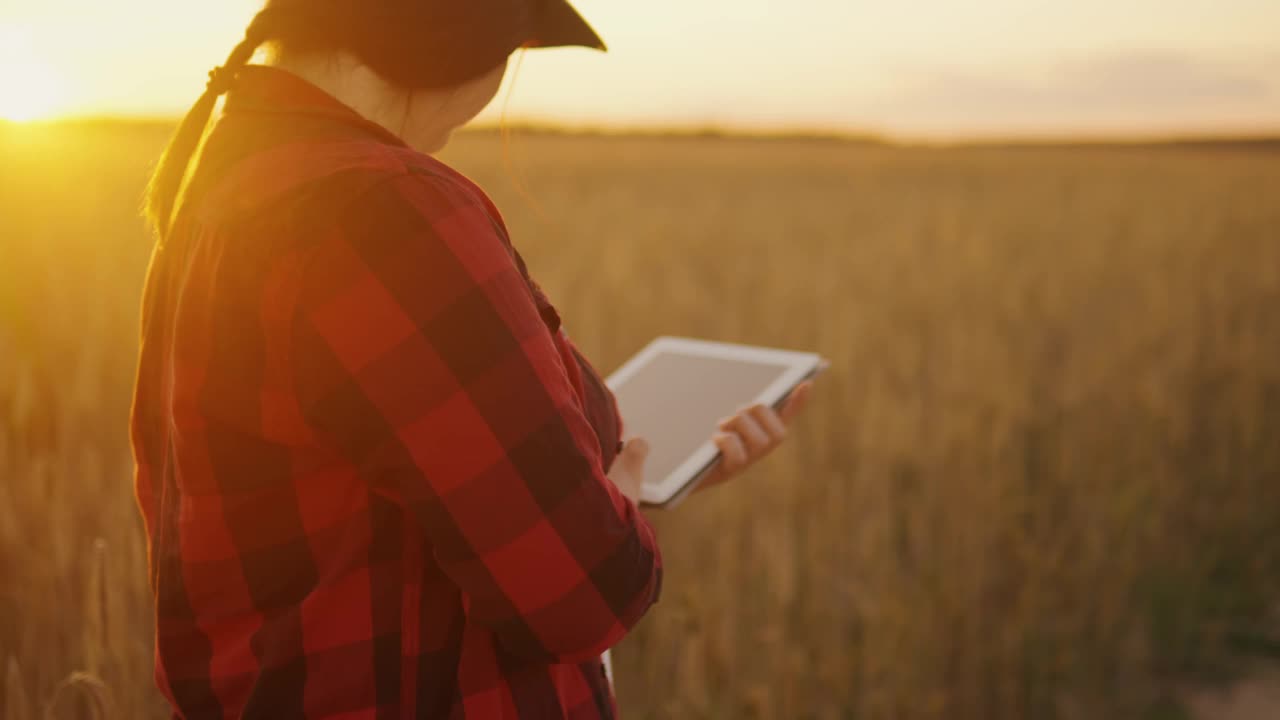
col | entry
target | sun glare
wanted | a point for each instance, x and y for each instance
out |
(29, 87)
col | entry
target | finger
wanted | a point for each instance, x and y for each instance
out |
(732, 449)
(634, 453)
(637, 447)
(768, 419)
(730, 423)
(757, 441)
(796, 401)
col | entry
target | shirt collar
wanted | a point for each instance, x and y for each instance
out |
(263, 89)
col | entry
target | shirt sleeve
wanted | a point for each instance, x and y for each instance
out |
(419, 353)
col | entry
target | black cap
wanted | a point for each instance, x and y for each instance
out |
(559, 24)
(427, 43)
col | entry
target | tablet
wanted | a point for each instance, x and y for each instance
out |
(675, 391)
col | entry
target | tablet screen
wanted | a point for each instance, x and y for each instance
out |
(675, 400)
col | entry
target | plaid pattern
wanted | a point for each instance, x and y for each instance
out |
(370, 461)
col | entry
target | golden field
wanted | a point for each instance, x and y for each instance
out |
(1041, 480)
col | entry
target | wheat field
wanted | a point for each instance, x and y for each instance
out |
(1041, 480)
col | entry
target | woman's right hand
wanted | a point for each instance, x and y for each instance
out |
(627, 471)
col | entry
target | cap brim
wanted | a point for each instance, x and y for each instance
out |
(560, 25)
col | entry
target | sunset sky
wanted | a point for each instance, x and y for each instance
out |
(932, 68)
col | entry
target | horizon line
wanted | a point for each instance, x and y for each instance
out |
(707, 130)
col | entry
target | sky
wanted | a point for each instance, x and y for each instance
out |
(926, 69)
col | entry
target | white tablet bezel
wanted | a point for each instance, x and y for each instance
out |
(799, 365)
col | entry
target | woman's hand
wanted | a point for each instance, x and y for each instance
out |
(751, 434)
(627, 471)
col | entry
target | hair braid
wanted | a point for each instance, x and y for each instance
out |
(162, 191)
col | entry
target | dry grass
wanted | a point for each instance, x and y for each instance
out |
(1042, 480)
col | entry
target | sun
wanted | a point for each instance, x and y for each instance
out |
(29, 87)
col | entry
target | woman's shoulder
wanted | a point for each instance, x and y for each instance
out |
(423, 189)
(326, 179)
(452, 185)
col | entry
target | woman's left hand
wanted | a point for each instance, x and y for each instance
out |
(751, 434)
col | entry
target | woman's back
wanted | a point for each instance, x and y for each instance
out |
(370, 461)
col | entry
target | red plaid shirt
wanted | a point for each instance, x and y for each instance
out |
(370, 462)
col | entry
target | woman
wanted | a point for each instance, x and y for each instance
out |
(378, 478)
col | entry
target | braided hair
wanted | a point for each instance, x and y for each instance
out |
(166, 182)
